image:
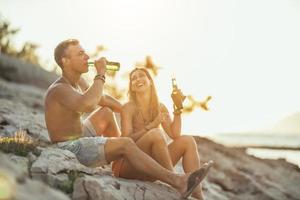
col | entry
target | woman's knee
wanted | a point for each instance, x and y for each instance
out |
(187, 140)
(156, 135)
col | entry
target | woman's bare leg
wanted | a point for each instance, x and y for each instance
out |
(153, 144)
(116, 148)
(185, 147)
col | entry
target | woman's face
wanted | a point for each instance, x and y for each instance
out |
(139, 81)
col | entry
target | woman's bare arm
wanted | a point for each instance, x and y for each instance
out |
(171, 127)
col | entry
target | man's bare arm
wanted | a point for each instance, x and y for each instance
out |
(106, 100)
(111, 102)
(91, 96)
(76, 101)
(83, 84)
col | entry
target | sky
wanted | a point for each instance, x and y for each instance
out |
(245, 54)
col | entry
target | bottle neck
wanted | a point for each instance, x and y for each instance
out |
(174, 84)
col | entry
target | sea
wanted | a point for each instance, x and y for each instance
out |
(270, 146)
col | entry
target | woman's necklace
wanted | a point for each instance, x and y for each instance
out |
(145, 120)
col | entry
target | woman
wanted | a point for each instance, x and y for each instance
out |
(140, 120)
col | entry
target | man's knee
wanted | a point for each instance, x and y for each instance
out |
(101, 113)
(106, 111)
(126, 143)
(118, 147)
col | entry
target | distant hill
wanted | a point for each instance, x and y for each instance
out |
(289, 124)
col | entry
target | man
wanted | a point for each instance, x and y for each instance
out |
(70, 96)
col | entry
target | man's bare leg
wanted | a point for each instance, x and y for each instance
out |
(116, 148)
(185, 147)
(104, 122)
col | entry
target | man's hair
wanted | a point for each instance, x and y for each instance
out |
(60, 49)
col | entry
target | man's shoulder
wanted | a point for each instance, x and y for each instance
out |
(55, 86)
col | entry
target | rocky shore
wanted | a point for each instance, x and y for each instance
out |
(47, 173)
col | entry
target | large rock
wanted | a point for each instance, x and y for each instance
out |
(22, 109)
(16, 185)
(16, 116)
(60, 168)
(237, 175)
(36, 190)
(47, 163)
(21, 162)
(108, 187)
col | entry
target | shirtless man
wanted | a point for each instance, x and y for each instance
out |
(95, 141)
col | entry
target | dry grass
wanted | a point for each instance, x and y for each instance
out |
(21, 144)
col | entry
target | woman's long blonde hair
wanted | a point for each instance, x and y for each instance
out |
(153, 109)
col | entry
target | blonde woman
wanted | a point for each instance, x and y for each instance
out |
(141, 118)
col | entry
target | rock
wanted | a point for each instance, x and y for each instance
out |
(108, 187)
(46, 168)
(18, 117)
(31, 158)
(16, 185)
(237, 175)
(21, 162)
(13, 170)
(36, 190)
(47, 163)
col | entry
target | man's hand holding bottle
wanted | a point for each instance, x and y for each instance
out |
(100, 66)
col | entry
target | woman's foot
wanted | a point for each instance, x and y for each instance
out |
(195, 178)
(198, 194)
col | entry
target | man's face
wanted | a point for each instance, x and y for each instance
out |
(76, 58)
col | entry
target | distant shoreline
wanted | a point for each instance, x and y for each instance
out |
(266, 141)
(267, 147)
